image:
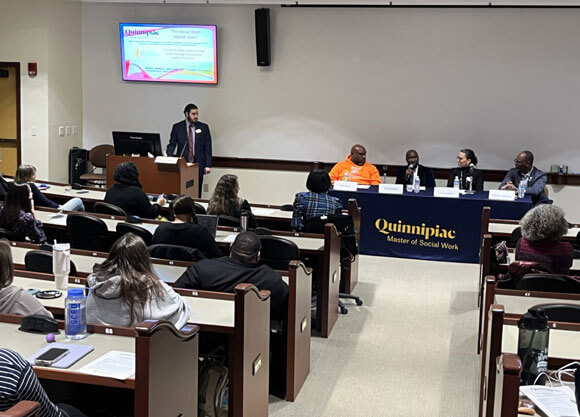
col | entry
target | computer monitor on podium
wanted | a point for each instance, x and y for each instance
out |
(134, 143)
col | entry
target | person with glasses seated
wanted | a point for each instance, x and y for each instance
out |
(17, 215)
(13, 299)
(535, 179)
(316, 202)
(470, 178)
(26, 174)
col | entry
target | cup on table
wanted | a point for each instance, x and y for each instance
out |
(67, 188)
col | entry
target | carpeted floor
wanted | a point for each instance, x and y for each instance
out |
(408, 351)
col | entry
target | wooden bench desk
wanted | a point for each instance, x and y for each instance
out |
(160, 354)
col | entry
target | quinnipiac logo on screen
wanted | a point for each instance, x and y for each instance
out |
(420, 235)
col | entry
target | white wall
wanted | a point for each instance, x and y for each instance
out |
(48, 34)
(496, 80)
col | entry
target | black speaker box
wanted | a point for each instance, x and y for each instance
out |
(262, 17)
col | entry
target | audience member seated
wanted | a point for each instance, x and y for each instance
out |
(26, 174)
(466, 171)
(407, 175)
(17, 214)
(525, 170)
(316, 202)
(127, 193)
(19, 383)
(542, 228)
(223, 274)
(356, 168)
(185, 231)
(125, 291)
(225, 200)
(13, 299)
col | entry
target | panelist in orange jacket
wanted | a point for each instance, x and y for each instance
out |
(356, 168)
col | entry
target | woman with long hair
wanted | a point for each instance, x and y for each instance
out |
(185, 231)
(466, 172)
(13, 299)
(128, 194)
(126, 291)
(26, 174)
(225, 200)
(17, 214)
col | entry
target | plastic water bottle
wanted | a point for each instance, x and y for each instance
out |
(456, 182)
(76, 314)
(522, 188)
(417, 184)
(345, 176)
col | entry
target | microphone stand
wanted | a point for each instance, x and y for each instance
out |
(470, 179)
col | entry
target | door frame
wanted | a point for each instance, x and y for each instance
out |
(16, 65)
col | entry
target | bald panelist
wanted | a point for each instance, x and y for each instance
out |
(356, 168)
(407, 175)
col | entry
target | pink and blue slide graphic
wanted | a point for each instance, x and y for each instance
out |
(169, 53)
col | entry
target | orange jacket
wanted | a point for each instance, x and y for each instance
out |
(366, 174)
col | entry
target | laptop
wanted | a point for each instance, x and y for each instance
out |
(209, 222)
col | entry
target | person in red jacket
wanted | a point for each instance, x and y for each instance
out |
(356, 168)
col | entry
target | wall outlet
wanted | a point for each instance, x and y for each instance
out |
(68, 130)
(75, 130)
(205, 188)
(61, 131)
(33, 131)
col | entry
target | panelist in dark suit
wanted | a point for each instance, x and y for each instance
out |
(406, 175)
(191, 139)
(525, 170)
(466, 171)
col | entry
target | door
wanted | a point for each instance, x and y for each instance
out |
(9, 117)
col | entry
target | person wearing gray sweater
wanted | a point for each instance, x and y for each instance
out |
(125, 291)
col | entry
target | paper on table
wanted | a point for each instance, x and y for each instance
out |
(363, 186)
(261, 211)
(113, 364)
(229, 238)
(554, 401)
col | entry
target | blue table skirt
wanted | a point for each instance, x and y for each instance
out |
(420, 226)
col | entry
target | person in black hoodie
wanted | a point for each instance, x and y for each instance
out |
(127, 193)
(466, 171)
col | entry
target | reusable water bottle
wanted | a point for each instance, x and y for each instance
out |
(533, 338)
(244, 220)
(61, 264)
(76, 314)
(456, 182)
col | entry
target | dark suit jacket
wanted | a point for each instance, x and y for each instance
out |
(463, 173)
(179, 144)
(223, 274)
(425, 175)
(536, 184)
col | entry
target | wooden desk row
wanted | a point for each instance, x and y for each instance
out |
(162, 353)
(499, 390)
(213, 312)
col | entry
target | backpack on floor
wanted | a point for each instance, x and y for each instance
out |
(213, 385)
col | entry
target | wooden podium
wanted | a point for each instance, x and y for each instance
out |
(180, 178)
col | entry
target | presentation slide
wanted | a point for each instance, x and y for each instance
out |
(169, 53)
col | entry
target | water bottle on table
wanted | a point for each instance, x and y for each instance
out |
(522, 188)
(416, 184)
(61, 264)
(456, 182)
(76, 314)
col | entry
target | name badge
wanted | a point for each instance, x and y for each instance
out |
(197, 130)
(345, 186)
(502, 195)
(390, 188)
(446, 192)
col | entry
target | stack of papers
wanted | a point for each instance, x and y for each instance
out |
(113, 364)
(554, 401)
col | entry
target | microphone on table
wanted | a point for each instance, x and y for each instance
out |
(471, 168)
(408, 176)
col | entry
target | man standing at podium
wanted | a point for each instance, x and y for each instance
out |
(191, 139)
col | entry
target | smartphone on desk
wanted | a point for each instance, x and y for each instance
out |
(51, 356)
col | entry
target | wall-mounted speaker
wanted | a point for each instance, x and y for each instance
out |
(262, 17)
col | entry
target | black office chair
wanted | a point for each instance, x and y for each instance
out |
(348, 250)
(277, 252)
(175, 252)
(262, 231)
(41, 261)
(228, 221)
(199, 209)
(515, 237)
(549, 283)
(8, 234)
(144, 234)
(88, 232)
(561, 312)
(111, 209)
